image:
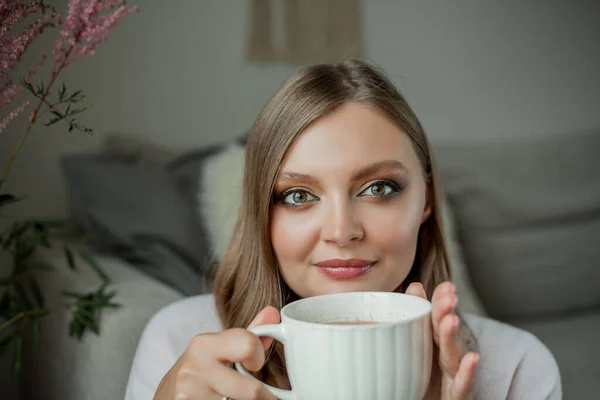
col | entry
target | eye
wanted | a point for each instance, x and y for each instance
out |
(297, 197)
(381, 189)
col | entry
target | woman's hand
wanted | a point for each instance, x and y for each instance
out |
(202, 371)
(458, 370)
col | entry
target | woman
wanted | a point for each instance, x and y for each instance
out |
(340, 194)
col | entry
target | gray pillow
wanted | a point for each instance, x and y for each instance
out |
(138, 213)
(192, 169)
(528, 212)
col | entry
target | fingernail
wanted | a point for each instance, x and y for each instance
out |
(476, 359)
(181, 396)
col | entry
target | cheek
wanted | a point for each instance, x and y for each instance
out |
(394, 230)
(293, 235)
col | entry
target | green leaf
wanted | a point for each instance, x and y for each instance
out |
(82, 128)
(80, 325)
(91, 261)
(5, 305)
(85, 314)
(57, 113)
(36, 334)
(16, 231)
(53, 223)
(4, 344)
(18, 360)
(37, 292)
(22, 297)
(40, 88)
(77, 97)
(94, 327)
(61, 92)
(42, 265)
(79, 110)
(41, 234)
(8, 199)
(38, 227)
(70, 258)
(74, 295)
(52, 121)
(27, 85)
(88, 319)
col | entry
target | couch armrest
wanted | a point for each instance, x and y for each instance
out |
(98, 366)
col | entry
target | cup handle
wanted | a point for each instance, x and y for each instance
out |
(277, 332)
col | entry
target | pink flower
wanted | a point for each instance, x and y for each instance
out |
(88, 24)
(13, 50)
(13, 47)
(8, 94)
(12, 115)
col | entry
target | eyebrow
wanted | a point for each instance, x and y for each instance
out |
(361, 174)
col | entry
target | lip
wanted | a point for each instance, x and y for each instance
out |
(345, 268)
(345, 263)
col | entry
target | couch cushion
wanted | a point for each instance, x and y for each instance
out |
(97, 367)
(528, 212)
(573, 341)
(138, 213)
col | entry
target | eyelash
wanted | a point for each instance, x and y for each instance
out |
(396, 189)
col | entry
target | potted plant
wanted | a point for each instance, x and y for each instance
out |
(45, 102)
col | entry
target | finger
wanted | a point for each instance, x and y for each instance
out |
(443, 288)
(450, 351)
(234, 345)
(463, 383)
(268, 315)
(443, 304)
(191, 386)
(416, 289)
(230, 383)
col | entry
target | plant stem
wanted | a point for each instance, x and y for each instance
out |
(44, 311)
(34, 114)
(23, 314)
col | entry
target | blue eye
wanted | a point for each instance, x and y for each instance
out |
(381, 189)
(297, 197)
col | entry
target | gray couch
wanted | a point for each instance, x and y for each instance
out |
(525, 241)
(528, 212)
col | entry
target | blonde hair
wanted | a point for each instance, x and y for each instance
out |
(248, 278)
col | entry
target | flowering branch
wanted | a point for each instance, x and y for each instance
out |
(87, 25)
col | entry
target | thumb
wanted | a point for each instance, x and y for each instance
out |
(268, 315)
(416, 289)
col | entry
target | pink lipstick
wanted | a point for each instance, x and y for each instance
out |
(345, 268)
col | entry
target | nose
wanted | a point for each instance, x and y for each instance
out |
(341, 224)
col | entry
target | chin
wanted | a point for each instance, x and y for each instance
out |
(318, 284)
(349, 286)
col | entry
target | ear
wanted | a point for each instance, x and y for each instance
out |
(429, 198)
(426, 211)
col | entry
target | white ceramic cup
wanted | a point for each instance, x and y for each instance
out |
(390, 359)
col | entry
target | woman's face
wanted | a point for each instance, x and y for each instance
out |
(349, 201)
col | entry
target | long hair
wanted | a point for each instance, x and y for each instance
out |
(248, 279)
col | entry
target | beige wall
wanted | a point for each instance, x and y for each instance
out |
(175, 73)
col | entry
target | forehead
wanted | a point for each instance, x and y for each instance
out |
(349, 137)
